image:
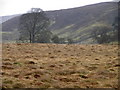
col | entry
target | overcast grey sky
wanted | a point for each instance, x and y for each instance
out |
(9, 7)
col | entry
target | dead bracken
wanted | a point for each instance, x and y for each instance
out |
(63, 66)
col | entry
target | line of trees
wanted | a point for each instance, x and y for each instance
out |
(34, 29)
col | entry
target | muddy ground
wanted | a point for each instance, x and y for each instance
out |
(59, 66)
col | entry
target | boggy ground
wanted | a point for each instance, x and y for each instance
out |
(59, 66)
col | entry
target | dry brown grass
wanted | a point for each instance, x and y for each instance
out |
(60, 66)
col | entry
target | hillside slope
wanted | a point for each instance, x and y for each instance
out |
(6, 18)
(75, 23)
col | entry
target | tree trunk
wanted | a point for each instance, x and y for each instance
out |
(30, 38)
(33, 38)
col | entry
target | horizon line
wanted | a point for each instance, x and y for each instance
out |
(62, 8)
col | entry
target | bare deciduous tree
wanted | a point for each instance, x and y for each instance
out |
(32, 23)
(101, 33)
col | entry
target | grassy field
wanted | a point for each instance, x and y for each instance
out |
(59, 66)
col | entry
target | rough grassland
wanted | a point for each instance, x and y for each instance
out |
(59, 66)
